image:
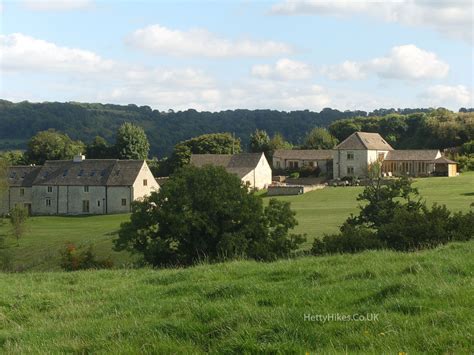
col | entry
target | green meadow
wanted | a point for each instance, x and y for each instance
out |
(414, 302)
(318, 212)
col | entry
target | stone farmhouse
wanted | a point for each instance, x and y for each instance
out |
(251, 168)
(353, 156)
(79, 186)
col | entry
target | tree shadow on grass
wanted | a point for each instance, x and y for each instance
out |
(468, 194)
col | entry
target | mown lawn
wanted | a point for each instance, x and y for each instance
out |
(40, 248)
(323, 211)
(318, 212)
(423, 302)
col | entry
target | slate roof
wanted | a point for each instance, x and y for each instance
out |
(89, 172)
(425, 155)
(444, 160)
(22, 176)
(304, 154)
(363, 141)
(239, 164)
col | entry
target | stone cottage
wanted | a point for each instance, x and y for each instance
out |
(251, 168)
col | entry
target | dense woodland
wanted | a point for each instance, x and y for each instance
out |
(84, 121)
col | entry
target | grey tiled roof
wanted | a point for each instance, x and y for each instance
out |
(22, 176)
(364, 140)
(239, 164)
(425, 155)
(90, 172)
(444, 160)
(304, 154)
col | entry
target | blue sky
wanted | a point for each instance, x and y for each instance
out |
(284, 55)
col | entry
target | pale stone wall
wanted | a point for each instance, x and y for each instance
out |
(139, 188)
(261, 176)
(74, 196)
(359, 163)
(14, 197)
(40, 195)
(4, 204)
(115, 194)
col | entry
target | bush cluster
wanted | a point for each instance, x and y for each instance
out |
(74, 258)
(392, 219)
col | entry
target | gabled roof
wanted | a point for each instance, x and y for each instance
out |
(364, 141)
(444, 160)
(304, 154)
(89, 172)
(239, 164)
(425, 155)
(22, 176)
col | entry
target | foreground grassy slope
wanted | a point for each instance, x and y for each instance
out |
(318, 212)
(424, 303)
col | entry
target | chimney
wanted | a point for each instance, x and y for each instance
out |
(79, 158)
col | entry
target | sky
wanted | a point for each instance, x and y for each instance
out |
(218, 55)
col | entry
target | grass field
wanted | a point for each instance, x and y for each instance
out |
(424, 303)
(318, 212)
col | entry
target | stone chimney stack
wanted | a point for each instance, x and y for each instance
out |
(79, 158)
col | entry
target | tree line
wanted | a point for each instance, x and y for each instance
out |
(165, 129)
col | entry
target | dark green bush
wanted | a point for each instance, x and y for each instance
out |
(351, 240)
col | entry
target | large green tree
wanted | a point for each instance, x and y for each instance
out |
(132, 142)
(52, 145)
(99, 148)
(259, 142)
(319, 138)
(206, 213)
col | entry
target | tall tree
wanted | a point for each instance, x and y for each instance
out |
(259, 142)
(100, 149)
(18, 217)
(52, 145)
(319, 138)
(132, 142)
(3, 178)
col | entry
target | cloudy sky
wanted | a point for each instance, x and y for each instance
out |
(285, 55)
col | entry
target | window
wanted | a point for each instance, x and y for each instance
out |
(293, 165)
(350, 170)
(145, 182)
(48, 202)
(98, 203)
(22, 192)
(278, 164)
(124, 202)
(350, 156)
(86, 188)
(85, 206)
(50, 189)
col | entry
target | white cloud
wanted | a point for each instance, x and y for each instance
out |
(452, 18)
(409, 62)
(406, 62)
(348, 70)
(446, 95)
(19, 52)
(158, 39)
(57, 5)
(284, 69)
